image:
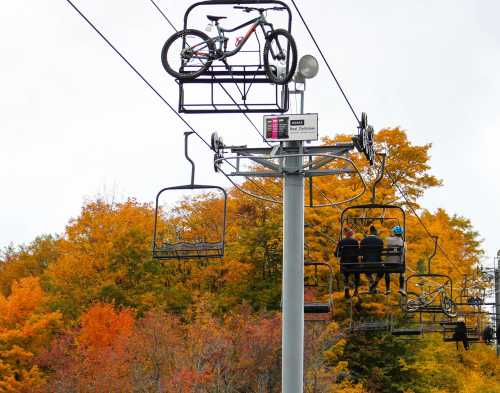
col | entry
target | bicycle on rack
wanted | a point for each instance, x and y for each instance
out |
(189, 53)
(421, 302)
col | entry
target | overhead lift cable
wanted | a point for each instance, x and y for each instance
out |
(142, 77)
(354, 113)
(410, 205)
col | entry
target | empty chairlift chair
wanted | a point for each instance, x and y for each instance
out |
(180, 234)
(319, 277)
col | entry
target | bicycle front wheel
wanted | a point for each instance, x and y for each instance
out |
(187, 54)
(280, 56)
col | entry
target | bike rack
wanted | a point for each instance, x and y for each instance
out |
(239, 89)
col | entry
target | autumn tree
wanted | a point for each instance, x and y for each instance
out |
(26, 325)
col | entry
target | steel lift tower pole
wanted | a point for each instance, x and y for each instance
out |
(292, 370)
(293, 276)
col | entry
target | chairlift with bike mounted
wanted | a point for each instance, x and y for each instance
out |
(189, 56)
(175, 241)
(391, 259)
(473, 290)
(435, 291)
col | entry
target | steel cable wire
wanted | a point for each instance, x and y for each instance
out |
(354, 113)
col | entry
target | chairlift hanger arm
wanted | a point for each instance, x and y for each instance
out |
(435, 238)
(186, 136)
(380, 175)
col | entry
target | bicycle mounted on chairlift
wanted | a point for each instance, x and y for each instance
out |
(417, 302)
(198, 50)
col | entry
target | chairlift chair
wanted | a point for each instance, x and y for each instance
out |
(437, 301)
(173, 247)
(364, 215)
(473, 329)
(318, 310)
(473, 291)
(383, 266)
(242, 87)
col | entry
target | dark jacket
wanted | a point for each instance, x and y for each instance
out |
(460, 332)
(347, 250)
(371, 248)
(488, 334)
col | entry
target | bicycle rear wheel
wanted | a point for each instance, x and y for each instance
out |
(412, 302)
(187, 54)
(280, 56)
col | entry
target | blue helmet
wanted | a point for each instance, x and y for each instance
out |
(397, 230)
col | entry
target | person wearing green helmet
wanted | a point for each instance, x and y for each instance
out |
(396, 240)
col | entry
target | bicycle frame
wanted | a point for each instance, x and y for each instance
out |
(428, 298)
(220, 39)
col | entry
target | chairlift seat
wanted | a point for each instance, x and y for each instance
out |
(380, 266)
(215, 18)
(430, 309)
(470, 339)
(407, 332)
(371, 326)
(317, 308)
(189, 250)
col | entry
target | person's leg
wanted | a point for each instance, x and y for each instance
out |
(402, 290)
(373, 286)
(387, 283)
(346, 285)
(357, 282)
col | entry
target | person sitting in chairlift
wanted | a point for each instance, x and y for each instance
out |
(474, 301)
(371, 250)
(396, 242)
(460, 333)
(488, 334)
(346, 250)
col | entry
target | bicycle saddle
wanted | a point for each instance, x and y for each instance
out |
(215, 18)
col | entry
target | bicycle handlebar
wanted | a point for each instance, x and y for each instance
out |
(261, 10)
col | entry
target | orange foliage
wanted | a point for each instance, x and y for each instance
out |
(25, 326)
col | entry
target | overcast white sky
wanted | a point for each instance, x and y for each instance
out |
(75, 122)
